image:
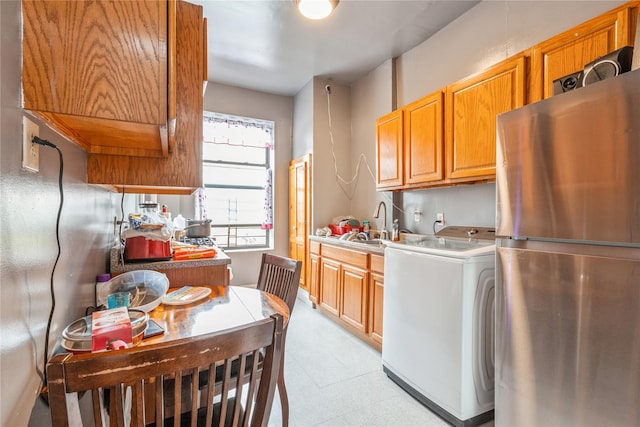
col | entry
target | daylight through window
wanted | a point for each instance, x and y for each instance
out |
(238, 180)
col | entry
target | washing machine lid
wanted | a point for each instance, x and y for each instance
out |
(452, 241)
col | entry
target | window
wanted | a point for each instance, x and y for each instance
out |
(237, 196)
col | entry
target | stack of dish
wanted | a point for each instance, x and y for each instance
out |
(76, 338)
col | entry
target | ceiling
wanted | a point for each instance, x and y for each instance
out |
(265, 45)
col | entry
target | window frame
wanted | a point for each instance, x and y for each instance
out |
(269, 160)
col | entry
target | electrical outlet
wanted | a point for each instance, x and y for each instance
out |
(30, 151)
(440, 217)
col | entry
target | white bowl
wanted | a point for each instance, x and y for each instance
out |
(147, 288)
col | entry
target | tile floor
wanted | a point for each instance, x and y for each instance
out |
(334, 379)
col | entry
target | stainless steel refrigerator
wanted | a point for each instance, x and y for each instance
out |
(568, 259)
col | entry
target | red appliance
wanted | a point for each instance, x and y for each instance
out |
(137, 249)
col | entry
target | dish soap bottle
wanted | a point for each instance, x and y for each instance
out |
(395, 233)
(365, 228)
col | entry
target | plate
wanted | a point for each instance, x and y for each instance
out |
(186, 295)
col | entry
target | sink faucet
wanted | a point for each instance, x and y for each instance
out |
(384, 234)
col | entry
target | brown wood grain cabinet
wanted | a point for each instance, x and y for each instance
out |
(423, 140)
(347, 285)
(570, 51)
(330, 285)
(472, 106)
(123, 80)
(99, 72)
(449, 136)
(416, 149)
(389, 150)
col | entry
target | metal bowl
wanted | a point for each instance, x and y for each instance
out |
(76, 337)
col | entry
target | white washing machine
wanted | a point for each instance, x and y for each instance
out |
(438, 322)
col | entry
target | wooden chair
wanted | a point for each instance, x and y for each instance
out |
(146, 370)
(280, 276)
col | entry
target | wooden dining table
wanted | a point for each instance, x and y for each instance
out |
(225, 307)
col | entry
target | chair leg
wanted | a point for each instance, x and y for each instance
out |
(284, 401)
(282, 391)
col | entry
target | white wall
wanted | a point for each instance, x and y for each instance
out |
(332, 169)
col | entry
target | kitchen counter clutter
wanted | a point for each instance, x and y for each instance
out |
(374, 246)
(192, 272)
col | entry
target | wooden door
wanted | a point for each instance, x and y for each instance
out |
(389, 150)
(570, 51)
(471, 108)
(300, 213)
(423, 140)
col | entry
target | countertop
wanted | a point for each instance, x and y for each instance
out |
(377, 249)
(117, 267)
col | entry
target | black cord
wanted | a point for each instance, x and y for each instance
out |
(55, 264)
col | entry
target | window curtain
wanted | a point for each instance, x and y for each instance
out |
(233, 130)
(267, 223)
(201, 209)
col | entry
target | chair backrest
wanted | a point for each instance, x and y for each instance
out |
(134, 377)
(280, 276)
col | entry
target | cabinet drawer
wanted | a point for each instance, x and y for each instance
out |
(377, 263)
(314, 247)
(346, 256)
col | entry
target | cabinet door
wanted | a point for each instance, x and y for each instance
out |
(570, 51)
(353, 307)
(96, 71)
(423, 143)
(314, 277)
(389, 150)
(376, 299)
(330, 285)
(181, 171)
(471, 109)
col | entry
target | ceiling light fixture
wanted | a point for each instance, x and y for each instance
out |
(316, 9)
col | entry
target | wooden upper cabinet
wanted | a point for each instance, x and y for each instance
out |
(570, 51)
(389, 150)
(472, 105)
(99, 72)
(181, 171)
(423, 143)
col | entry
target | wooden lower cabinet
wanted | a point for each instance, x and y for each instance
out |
(353, 307)
(330, 285)
(346, 285)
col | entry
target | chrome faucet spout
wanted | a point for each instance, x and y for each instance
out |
(376, 214)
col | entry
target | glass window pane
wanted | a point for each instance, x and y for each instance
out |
(250, 176)
(234, 153)
(230, 206)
